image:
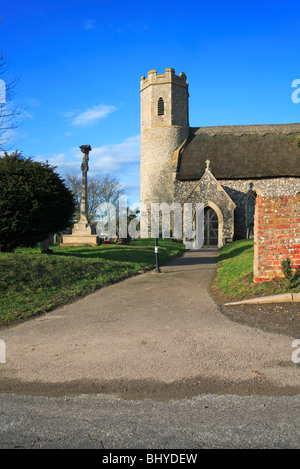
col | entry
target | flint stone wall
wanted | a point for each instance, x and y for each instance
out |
(237, 190)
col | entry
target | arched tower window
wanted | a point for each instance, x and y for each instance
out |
(160, 107)
(250, 210)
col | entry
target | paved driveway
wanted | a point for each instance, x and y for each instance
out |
(153, 335)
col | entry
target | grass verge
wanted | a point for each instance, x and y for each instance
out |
(32, 283)
(234, 278)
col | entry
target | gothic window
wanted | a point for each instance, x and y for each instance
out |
(161, 107)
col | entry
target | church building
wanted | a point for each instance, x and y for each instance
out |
(224, 167)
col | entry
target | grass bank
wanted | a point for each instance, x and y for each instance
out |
(32, 283)
(234, 278)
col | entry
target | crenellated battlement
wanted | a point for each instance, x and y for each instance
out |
(169, 76)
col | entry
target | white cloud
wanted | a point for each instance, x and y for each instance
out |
(10, 137)
(89, 24)
(118, 157)
(113, 156)
(60, 160)
(32, 102)
(25, 114)
(70, 114)
(91, 116)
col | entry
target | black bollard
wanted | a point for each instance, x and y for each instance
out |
(156, 257)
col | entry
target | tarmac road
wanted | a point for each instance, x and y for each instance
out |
(106, 422)
(148, 362)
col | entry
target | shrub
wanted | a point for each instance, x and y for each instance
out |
(34, 202)
(287, 268)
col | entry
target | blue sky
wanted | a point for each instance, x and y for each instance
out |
(79, 65)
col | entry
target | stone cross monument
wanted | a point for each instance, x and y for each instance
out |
(83, 233)
(84, 168)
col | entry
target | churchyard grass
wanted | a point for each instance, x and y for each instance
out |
(33, 283)
(234, 277)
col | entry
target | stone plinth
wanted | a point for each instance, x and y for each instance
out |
(82, 228)
(83, 234)
(80, 240)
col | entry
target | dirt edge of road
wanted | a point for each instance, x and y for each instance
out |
(152, 389)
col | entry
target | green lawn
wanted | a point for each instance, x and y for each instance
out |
(234, 279)
(32, 283)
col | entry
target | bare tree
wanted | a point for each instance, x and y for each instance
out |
(9, 112)
(105, 189)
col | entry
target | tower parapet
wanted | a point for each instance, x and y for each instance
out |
(169, 75)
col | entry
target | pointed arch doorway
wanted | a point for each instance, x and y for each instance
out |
(211, 227)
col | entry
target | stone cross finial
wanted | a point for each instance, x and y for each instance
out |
(207, 165)
(85, 150)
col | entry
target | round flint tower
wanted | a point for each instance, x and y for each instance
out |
(164, 127)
